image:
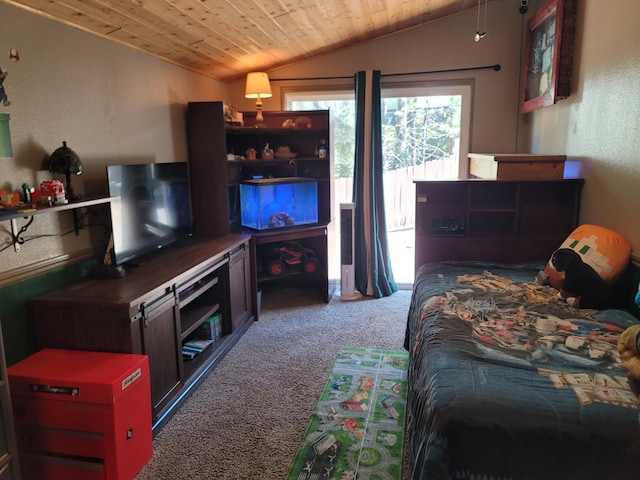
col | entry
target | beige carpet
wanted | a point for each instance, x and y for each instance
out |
(246, 419)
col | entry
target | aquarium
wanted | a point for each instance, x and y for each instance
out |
(278, 202)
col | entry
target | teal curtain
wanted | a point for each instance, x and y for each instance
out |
(373, 274)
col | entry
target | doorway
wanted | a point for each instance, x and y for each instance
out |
(425, 132)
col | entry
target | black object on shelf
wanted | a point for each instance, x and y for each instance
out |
(449, 226)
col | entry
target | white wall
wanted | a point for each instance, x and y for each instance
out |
(110, 103)
(599, 124)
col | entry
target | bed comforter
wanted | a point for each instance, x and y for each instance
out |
(506, 381)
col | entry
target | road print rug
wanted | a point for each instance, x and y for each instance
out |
(357, 429)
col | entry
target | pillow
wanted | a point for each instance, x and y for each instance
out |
(606, 251)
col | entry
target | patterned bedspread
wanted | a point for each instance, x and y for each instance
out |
(506, 381)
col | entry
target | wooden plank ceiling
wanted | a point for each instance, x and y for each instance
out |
(225, 39)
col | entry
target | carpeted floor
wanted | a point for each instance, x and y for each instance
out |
(246, 419)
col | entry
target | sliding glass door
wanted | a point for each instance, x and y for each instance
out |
(425, 136)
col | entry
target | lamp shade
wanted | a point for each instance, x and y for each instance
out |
(64, 160)
(257, 85)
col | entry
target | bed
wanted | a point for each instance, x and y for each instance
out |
(506, 381)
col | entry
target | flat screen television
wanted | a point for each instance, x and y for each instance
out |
(150, 208)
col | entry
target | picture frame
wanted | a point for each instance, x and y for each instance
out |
(548, 55)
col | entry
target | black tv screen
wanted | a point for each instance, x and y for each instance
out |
(150, 208)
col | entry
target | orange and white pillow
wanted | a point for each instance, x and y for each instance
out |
(606, 251)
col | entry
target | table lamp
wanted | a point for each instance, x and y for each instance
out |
(66, 161)
(258, 87)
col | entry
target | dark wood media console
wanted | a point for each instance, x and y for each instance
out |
(154, 309)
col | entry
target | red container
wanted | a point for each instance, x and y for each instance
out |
(82, 415)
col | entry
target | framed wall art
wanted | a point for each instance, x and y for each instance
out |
(548, 55)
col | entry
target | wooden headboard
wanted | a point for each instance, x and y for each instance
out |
(506, 221)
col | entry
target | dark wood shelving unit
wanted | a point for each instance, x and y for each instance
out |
(215, 180)
(302, 140)
(494, 220)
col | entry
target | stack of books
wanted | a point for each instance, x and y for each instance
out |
(208, 333)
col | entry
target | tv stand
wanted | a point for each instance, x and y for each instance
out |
(155, 310)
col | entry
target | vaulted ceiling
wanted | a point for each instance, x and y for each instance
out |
(225, 39)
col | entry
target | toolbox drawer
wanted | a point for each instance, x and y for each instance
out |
(60, 442)
(48, 466)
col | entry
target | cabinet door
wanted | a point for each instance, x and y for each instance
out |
(161, 342)
(240, 286)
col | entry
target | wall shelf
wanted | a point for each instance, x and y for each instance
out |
(12, 214)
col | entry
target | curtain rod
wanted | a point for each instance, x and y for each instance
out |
(495, 67)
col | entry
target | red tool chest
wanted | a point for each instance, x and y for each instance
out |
(82, 415)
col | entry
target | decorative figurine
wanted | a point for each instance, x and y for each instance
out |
(9, 199)
(267, 152)
(52, 192)
(251, 154)
(27, 190)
